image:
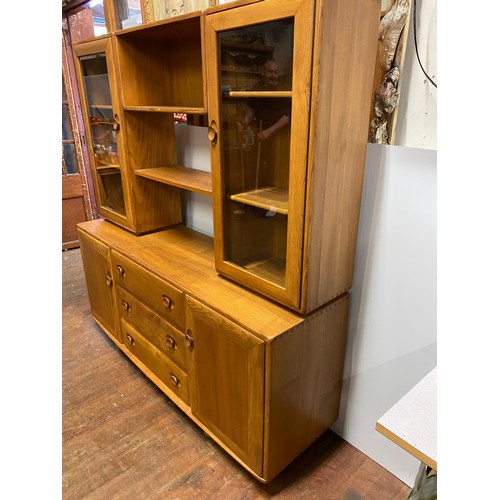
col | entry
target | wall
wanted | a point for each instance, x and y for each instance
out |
(416, 124)
(392, 323)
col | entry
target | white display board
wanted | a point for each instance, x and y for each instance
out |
(392, 334)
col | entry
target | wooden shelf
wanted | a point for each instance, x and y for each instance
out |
(271, 269)
(181, 177)
(167, 109)
(246, 46)
(259, 93)
(101, 106)
(108, 169)
(268, 198)
(241, 71)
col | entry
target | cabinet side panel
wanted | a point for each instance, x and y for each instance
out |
(345, 51)
(304, 384)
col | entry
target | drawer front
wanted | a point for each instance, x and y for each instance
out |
(163, 298)
(161, 334)
(165, 369)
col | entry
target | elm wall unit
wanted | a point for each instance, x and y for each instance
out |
(255, 360)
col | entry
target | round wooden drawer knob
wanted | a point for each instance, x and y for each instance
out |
(174, 380)
(188, 339)
(130, 339)
(170, 342)
(167, 301)
(125, 305)
(120, 270)
(109, 279)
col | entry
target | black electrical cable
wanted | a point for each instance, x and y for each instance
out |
(415, 38)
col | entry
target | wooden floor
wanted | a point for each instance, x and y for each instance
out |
(124, 439)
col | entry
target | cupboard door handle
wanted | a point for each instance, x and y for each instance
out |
(130, 339)
(170, 342)
(116, 122)
(120, 270)
(109, 280)
(174, 380)
(167, 301)
(212, 133)
(188, 339)
(125, 305)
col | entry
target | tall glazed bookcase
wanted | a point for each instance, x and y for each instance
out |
(245, 332)
(287, 227)
(146, 74)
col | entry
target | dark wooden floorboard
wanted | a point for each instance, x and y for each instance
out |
(124, 439)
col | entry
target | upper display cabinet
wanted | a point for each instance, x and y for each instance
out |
(132, 84)
(97, 81)
(289, 85)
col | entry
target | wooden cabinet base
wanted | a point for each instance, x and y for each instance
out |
(261, 381)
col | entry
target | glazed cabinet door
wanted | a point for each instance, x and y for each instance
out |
(258, 74)
(226, 376)
(96, 259)
(97, 82)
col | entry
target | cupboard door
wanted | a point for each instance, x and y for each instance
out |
(226, 376)
(98, 90)
(259, 73)
(96, 259)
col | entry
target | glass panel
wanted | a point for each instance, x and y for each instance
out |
(111, 188)
(128, 13)
(104, 137)
(256, 83)
(67, 131)
(87, 21)
(70, 160)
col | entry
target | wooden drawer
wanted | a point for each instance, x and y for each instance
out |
(165, 369)
(155, 329)
(162, 297)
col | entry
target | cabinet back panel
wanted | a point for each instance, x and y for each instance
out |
(162, 70)
(150, 139)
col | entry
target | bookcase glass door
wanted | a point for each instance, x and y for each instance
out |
(103, 131)
(256, 103)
